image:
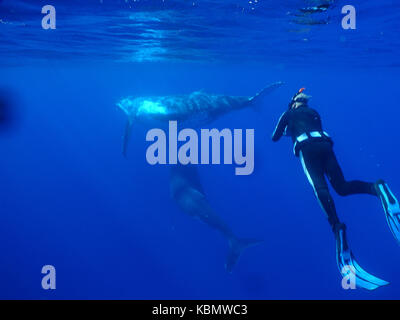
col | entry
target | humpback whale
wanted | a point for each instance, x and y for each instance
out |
(187, 191)
(198, 108)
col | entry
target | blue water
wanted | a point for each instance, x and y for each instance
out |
(107, 224)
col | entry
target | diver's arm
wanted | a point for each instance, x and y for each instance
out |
(280, 127)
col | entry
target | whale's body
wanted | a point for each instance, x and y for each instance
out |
(198, 108)
(187, 192)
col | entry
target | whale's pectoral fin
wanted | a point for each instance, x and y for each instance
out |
(127, 135)
(236, 247)
(255, 101)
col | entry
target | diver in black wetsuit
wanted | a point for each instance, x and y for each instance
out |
(315, 149)
(317, 156)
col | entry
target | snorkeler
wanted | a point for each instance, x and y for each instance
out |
(315, 149)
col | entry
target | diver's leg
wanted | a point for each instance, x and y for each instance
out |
(314, 159)
(380, 189)
(336, 178)
(312, 162)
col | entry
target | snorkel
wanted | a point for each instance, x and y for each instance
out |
(296, 98)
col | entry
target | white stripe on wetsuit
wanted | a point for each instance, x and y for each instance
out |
(311, 182)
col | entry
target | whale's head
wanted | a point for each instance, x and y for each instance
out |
(142, 107)
(129, 106)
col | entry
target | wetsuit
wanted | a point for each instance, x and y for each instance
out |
(315, 150)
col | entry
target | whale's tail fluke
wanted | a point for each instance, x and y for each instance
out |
(254, 101)
(126, 138)
(236, 248)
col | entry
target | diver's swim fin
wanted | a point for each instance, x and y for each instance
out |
(127, 135)
(348, 265)
(391, 206)
(236, 247)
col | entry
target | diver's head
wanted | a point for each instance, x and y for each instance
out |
(300, 99)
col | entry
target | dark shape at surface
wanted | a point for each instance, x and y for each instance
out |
(305, 15)
(310, 22)
(316, 9)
